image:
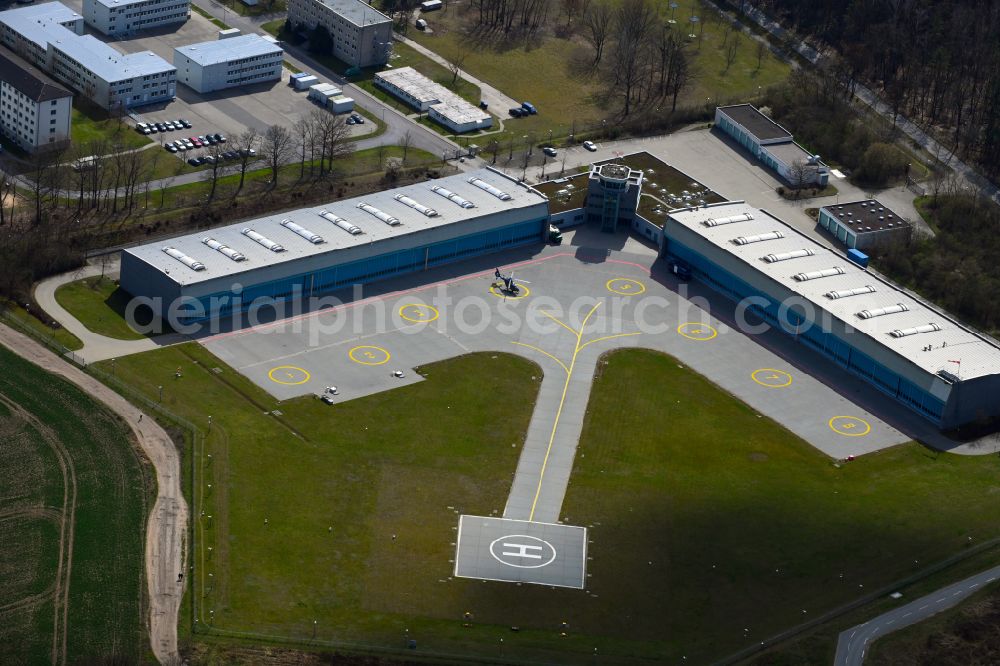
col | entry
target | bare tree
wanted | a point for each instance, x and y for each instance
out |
(246, 146)
(493, 148)
(633, 24)
(405, 142)
(799, 174)
(455, 62)
(732, 50)
(681, 76)
(7, 195)
(597, 23)
(303, 132)
(215, 169)
(761, 52)
(330, 134)
(277, 147)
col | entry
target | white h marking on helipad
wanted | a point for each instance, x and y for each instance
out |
(523, 551)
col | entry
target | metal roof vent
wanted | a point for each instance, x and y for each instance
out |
(315, 239)
(815, 275)
(385, 217)
(785, 256)
(193, 264)
(224, 249)
(881, 312)
(419, 207)
(746, 240)
(716, 221)
(916, 330)
(495, 191)
(261, 239)
(340, 222)
(847, 293)
(451, 196)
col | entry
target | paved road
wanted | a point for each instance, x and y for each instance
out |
(852, 643)
(166, 530)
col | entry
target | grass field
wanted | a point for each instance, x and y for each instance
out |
(541, 72)
(99, 305)
(23, 320)
(69, 476)
(92, 125)
(705, 518)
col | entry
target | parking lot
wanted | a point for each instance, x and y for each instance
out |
(228, 112)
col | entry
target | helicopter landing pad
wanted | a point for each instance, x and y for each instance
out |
(519, 551)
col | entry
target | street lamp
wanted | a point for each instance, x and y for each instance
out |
(673, 8)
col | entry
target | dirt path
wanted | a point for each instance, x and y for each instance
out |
(167, 527)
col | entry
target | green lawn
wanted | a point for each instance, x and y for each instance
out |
(99, 305)
(541, 73)
(43, 415)
(92, 126)
(21, 319)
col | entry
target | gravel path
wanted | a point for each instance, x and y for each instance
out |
(167, 526)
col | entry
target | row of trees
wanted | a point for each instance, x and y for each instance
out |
(935, 61)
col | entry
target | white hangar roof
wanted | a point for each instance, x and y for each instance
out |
(232, 251)
(871, 304)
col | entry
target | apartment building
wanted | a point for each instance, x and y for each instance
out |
(228, 63)
(50, 37)
(35, 111)
(126, 17)
(362, 35)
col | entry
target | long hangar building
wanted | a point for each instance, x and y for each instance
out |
(311, 251)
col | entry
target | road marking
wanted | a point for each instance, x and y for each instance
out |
(693, 330)
(771, 378)
(849, 426)
(908, 614)
(289, 375)
(924, 606)
(607, 337)
(957, 593)
(369, 355)
(625, 286)
(418, 313)
(542, 351)
(939, 600)
(974, 585)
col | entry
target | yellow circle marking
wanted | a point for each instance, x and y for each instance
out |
(369, 355)
(625, 286)
(499, 293)
(288, 374)
(771, 378)
(693, 330)
(419, 313)
(849, 426)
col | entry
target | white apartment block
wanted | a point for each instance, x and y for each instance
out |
(49, 36)
(126, 17)
(228, 63)
(362, 35)
(35, 111)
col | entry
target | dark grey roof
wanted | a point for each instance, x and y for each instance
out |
(756, 122)
(866, 216)
(28, 79)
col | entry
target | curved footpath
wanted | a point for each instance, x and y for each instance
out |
(167, 527)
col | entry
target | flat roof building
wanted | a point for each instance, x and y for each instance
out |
(864, 225)
(902, 345)
(362, 35)
(116, 18)
(35, 111)
(228, 63)
(773, 145)
(440, 104)
(311, 251)
(50, 37)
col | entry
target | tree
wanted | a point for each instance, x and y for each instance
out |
(303, 132)
(277, 147)
(799, 174)
(405, 142)
(246, 145)
(732, 50)
(633, 22)
(214, 170)
(455, 62)
(761, 51)
(597, 23)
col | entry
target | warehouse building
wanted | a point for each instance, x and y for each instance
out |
(864, 225)
(441, 105)
(902, 346)
(362, 35)
(307, 252)
(116, 18)
(772, 144)
(228, 63)
(35, 111)
(50, 37)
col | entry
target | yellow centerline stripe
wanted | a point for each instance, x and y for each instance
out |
(606, 337)
(562, 401)
(566, 326)
(542, 351)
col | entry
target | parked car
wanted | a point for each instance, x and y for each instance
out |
(245, 152)
(550, 151)
(529, 107)
(170, 126)
(171, 148)
(188, 145)
(483, 105)
(161, 127)
(195, 161)
(351, 121)
(139, 127)
(208, 159)
(195, 141)
(516, 112)
(180, 122)
(358, 119)
(221, 138)
(590, 145)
